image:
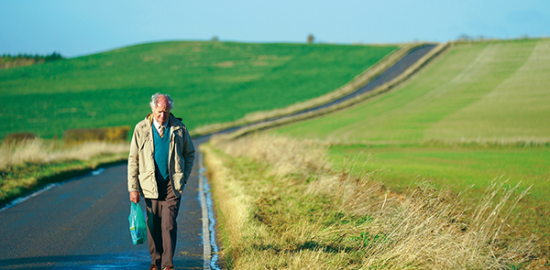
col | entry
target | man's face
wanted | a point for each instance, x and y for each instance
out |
(162, 111)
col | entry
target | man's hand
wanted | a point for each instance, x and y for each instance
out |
(134, 196)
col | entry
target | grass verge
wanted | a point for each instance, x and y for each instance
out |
(28, 166)
(282, 206)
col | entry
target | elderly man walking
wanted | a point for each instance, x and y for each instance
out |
(160, 162)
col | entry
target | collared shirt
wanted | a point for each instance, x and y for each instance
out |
(157, 125)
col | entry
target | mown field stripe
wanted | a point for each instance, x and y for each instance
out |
(517, 107)
(451, 83)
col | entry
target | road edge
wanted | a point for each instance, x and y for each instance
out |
(210, 248)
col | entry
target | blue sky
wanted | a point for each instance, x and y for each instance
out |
(82, 27)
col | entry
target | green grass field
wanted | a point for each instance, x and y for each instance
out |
(460, 167)
(210, 82)
(401, 167)
(460, 121)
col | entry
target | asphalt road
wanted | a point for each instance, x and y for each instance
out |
(83, 223)
(388, 75)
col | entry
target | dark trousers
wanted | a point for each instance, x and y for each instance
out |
(161, 225)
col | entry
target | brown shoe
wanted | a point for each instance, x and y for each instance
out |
(153, 267)
(168, 268)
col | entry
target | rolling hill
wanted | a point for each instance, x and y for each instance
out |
(210, 82)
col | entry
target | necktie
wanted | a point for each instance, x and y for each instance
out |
(161, 132)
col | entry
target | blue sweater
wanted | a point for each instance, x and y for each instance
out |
(162, 146)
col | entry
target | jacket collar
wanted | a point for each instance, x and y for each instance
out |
(173, 122)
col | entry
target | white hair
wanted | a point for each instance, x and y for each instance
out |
(155, 100)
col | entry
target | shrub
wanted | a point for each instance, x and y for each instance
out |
(15, 138)
(310, 38)
(108, 134)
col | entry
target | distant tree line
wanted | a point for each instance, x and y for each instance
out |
(9, 60)
(37, 57)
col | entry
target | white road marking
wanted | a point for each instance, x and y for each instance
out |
(22, 199)
(208, 220)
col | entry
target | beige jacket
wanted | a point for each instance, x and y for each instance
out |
(141, 163)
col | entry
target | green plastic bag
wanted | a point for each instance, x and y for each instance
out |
(138, 227)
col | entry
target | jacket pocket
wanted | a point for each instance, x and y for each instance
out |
(143, 176)
(148, 183)
(178, 181)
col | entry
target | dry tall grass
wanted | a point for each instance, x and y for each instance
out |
(286, 154)
(40, 151)
(105, 134)
(267, 210)
(27, 165)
